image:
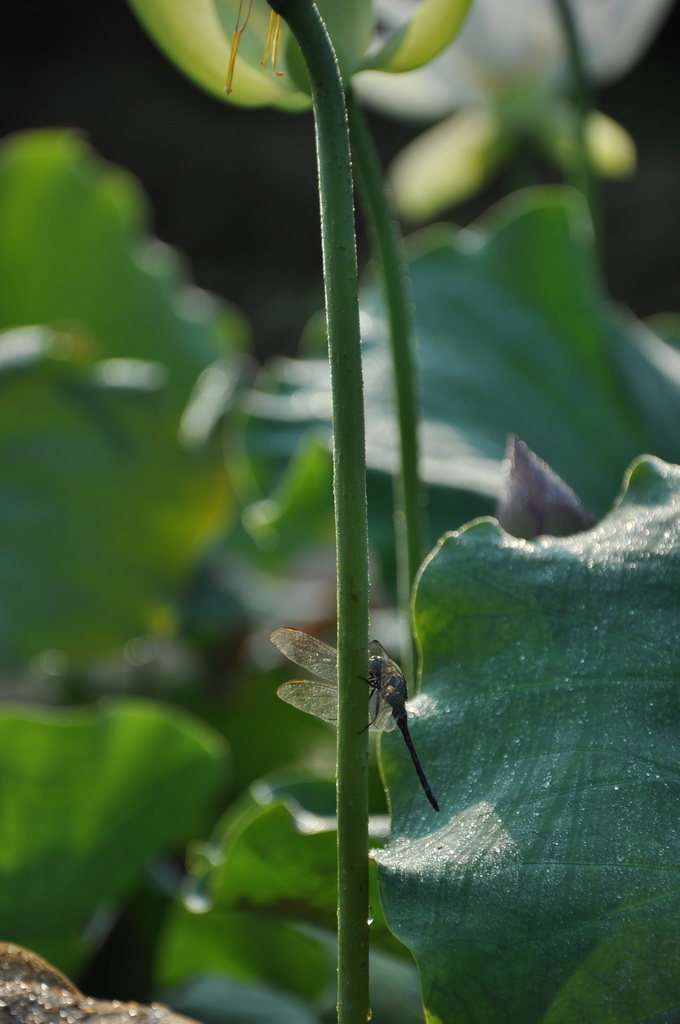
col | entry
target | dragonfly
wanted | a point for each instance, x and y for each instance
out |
(387, 688)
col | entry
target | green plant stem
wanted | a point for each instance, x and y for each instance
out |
(584, 178)
(388, 249)
(349, 480)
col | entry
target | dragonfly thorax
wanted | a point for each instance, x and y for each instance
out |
(386, 678)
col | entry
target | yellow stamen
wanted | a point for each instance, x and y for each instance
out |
(235, 40)
(273, 38)
(277, 40)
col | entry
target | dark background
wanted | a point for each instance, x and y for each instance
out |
(235, 189)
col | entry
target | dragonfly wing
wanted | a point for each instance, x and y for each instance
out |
(307, 652)
(320, 699)
(380, 716)
(385, 722)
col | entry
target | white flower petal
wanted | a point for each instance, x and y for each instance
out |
(503, 41)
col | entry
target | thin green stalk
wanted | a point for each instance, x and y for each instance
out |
(388, 249)
(349, 480)
(584, 178)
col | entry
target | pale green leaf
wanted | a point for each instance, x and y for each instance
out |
(196, 35)
(432, 26)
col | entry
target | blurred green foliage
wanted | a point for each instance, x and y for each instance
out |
(515, 335)
(106, 504)
(90, 796)
(162, 508)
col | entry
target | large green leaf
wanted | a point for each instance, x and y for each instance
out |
(101, 509)
(87, 799)
(546, 891)
(73, 253)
